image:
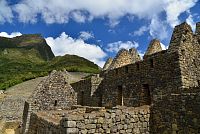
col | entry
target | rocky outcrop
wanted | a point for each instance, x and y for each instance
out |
(153, 47)
(107, 64)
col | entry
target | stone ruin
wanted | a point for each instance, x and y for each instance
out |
(124, 57)
(53, 93)
(159, 94)
(154, 47)
(107, 64)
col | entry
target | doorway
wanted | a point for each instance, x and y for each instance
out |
(146, 93)
(120, 96)
(82, 98)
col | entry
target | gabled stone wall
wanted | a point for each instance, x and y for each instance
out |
(53, 93)
(124, 57)
(153, 47)
(108, 63)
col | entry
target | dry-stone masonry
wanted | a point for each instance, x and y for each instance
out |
(125, 57)
(54, 93)
(197, 28)
(92, 120)
(154, 47)
(107, 64)
(135, 55)
(87, 93)
(159, 94)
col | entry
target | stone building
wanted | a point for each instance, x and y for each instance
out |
(54, 93)
(164, 87)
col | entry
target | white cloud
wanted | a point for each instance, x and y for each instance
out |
(141, 53)
(174, 8)
(78, 16)
(65, 44)
(140, 31)
(131, 18)
(190, 21)
(116, 46)
(14, 34)
(60, 11)
(158, 28)
(86, 35)
(164, 47)
(5, 12)
(113, 23)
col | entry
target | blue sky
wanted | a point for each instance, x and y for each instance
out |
(97, 29)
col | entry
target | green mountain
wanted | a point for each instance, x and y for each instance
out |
(29, 56)
(28, 42)
(74, 64)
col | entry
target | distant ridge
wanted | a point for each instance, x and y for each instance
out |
(29, 56)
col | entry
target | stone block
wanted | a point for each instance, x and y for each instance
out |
(174, 127)
(72, 130)
(100, 120)
(84, 131)
(71, 124)
(90, 126)
(91, 131)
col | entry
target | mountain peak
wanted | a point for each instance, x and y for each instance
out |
(29, 41)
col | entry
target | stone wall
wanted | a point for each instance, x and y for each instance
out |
(85, 91)
(124, 57)
(159, 73)
(176, 112)
(153, 47)
(138, 81)
(189, 54)
(9, 127)
(106, 65)
(54, 93)
(41, 125)
(51, 94)
(94, 120)
(197, 28)
(134, 84)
